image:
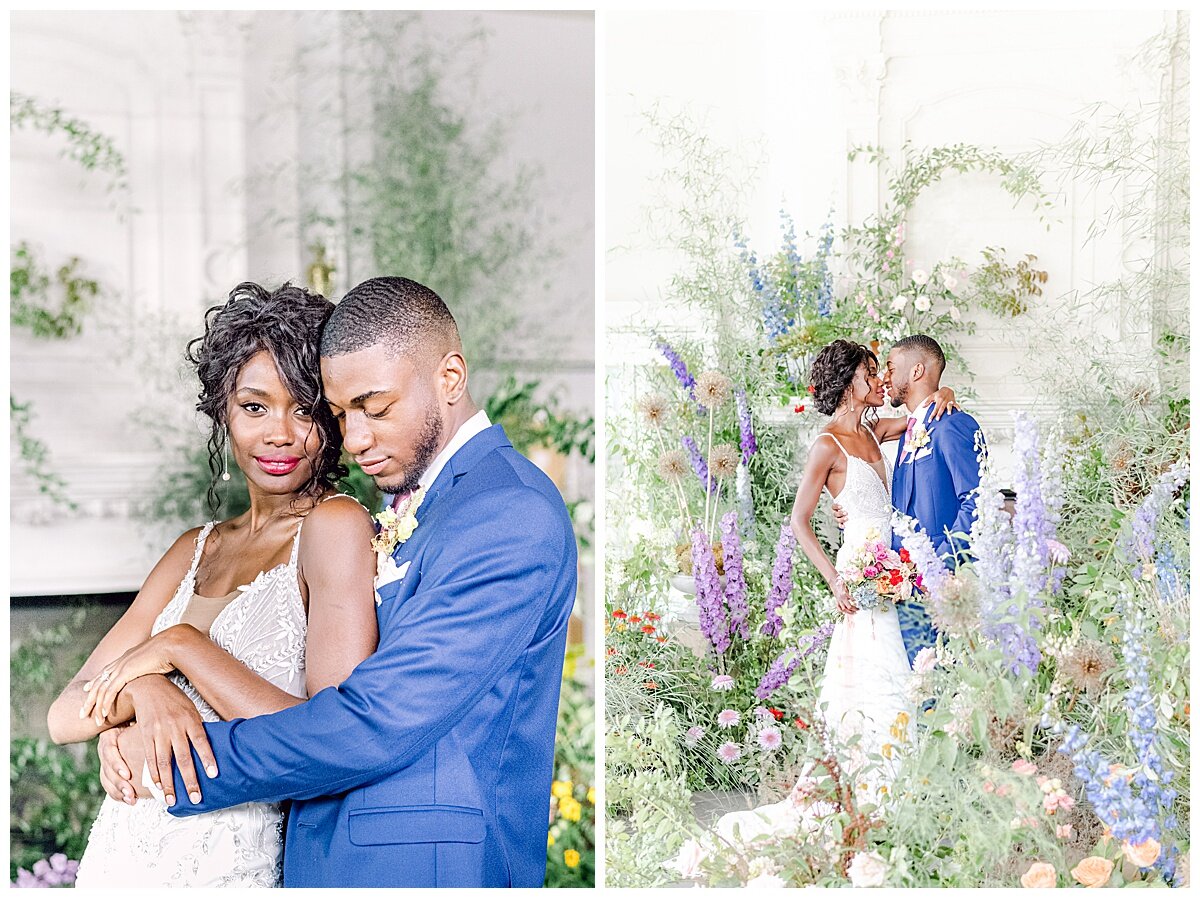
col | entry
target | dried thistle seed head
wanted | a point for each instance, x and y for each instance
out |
(713, 389)
(673, 465)
(1087, 665)
(653, 409)
(724, 461)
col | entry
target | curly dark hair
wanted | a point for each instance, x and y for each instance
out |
(286, 323)
(833, 370)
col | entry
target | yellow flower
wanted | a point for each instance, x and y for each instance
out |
(591, 796)
(887, 749)
(571, 857)
(902, 719)
(571, 809)
(549, 840)
(561, 790)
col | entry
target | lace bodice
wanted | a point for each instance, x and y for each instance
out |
(264, 627)
(866, 497)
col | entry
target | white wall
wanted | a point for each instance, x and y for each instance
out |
(799, 89)
(198, 102)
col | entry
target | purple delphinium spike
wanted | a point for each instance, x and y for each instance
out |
(746, 425)
(1031, 526)
(699, 465)
(1132, 808)
(735, 580)
(785, 665)
(708, 592)
(781, 580)
(679, 368)
(1137, 539)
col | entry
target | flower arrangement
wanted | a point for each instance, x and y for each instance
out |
(876, 576)
(1052, 717)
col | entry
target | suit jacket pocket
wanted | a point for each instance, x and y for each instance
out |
(408, 825)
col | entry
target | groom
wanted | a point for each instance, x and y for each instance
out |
(937, 468)
(431, 764)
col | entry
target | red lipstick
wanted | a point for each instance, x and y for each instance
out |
(277, 465)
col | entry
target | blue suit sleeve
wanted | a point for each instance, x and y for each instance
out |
(961, 445)
(478, 606)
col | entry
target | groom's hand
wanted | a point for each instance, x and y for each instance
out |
(839, 515)
(115, 775)
(169, 725)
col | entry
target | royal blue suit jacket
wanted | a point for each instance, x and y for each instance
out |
(938, 489)
(431, 764)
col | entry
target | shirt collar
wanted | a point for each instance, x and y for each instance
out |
(921, 412)
(472, 427)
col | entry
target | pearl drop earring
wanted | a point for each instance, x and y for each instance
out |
(225, 456)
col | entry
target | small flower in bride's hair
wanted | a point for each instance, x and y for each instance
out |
(653, 409)
(729, 752)
(673, 465)
(724, 461)
(713, 389)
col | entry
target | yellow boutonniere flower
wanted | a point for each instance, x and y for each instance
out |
(397, 525)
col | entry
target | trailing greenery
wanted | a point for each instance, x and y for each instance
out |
(88, 148)
(35, 455)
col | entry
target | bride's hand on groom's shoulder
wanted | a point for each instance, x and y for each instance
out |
(944, 403)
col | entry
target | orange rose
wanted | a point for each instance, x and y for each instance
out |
(1143, 855)
(1040, 876)
(1093, 872)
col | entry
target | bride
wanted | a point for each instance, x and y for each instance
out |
(239, 618)
(862, 691)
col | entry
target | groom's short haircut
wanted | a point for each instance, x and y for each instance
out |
(929, 350)
(405, 316)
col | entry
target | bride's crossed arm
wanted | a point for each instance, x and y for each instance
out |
(335, 570)
(823, 459)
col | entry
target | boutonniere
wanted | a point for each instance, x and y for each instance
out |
(918, 440)
(397, 524)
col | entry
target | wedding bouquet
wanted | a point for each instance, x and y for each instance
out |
(876, 576)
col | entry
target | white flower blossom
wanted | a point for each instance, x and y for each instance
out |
(920, 277)
(899, 303)
(922, 303)
(867, 870)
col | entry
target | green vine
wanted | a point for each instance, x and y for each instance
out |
(90, 149)
(35, 455)
(30, 289)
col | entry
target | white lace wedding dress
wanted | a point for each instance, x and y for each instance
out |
(143, 845)
(863, 687)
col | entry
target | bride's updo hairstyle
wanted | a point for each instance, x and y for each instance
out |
(286, 323)
(833, 371)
